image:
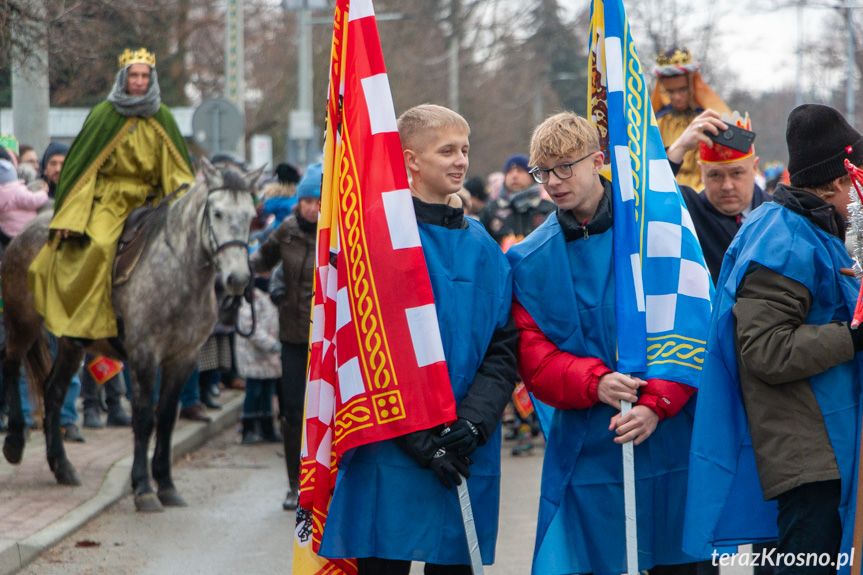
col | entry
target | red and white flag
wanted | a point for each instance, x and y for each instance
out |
(376, 364)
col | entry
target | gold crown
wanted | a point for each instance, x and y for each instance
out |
(680, 57)
(141, 56)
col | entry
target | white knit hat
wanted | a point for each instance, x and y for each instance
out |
(8, 173)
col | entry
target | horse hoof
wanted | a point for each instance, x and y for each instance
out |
(172, 498)
(66, 475)
(13, 450)
(148, 503)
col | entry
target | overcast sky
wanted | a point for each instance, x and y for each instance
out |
(760, 45)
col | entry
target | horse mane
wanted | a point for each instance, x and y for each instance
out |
(233, 180)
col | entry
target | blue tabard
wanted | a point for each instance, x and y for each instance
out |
(385, 505)
(725, 506)
(568, 289)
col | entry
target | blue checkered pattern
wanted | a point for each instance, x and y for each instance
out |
(663, 289)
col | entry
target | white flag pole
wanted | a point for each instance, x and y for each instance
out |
(469, 528)
(629, 500)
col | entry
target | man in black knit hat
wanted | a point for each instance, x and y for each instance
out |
(784, 357)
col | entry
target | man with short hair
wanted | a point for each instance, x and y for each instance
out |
(520, 209)
(730, 192)
(52, 163)
(777, 416)
(128, 153)
(679, 96)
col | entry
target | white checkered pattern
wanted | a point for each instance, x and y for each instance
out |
(324, 452)
(663, 240)
(425, 334)
(379, 100)
(694, 280)
(623, 169)
(360, 9)
(401, 220)
(661, 312)
(686, 220)
(613, 64)
(661, 177)
(639, 282)
(350, 380)
(343, 309)
(318, 324)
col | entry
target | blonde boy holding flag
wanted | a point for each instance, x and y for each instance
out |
(612, 305)
(393, 502)
(411, 335)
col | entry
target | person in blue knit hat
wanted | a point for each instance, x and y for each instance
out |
(293, 245)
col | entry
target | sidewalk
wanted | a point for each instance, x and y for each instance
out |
(36, 512)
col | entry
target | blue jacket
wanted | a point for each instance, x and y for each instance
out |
(568, 289)
(725, 504)
(385, 505)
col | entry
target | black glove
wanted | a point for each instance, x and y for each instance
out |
(422, 446)
(461, 437)
(856, 337)
(448, 465)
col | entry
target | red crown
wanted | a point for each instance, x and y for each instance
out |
(719, 154)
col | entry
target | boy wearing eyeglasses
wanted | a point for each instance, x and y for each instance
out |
(564, 308)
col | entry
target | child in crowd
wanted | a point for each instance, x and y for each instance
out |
(18, 204)
(259, 362)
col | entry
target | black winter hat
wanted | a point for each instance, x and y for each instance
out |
(819, 141)
(287, 174)
(476, 187)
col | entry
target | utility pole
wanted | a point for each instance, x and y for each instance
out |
(454, 49)
(798, 95)
(849, 64)
(30, 88)
(301, 126)
(235, 85)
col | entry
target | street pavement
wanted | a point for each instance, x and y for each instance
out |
(37, 513)
(234, 522)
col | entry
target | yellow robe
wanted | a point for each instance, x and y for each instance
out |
(671, 126)
(71, 282)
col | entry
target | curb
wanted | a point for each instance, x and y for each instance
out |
(15, 555)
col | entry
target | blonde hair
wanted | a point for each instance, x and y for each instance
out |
(561, 135)
(826, 191)
(416, 123)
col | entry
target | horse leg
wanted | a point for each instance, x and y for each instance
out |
(13, 446)
(173, 379)
(56, 385)
(143, 376)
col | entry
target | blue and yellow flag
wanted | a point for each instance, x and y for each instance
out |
(662, 287)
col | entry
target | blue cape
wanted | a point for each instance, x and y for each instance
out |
(568, 289)
(725, 506)
(386, 505)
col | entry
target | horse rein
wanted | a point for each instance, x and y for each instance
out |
(230, 303)
(212, 241)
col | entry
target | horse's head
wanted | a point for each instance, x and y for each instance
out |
(227, 217)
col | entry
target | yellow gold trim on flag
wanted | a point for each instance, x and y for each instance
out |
(388, 407)
(673, 345)
(374, 353)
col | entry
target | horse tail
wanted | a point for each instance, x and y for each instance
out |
(37, 364)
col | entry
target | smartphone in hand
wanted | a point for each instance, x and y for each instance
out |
(734, 137)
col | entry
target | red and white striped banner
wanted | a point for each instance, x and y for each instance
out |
(376, 365)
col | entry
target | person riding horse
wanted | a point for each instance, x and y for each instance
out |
(129, 152)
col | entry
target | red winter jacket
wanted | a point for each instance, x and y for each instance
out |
(565, 381)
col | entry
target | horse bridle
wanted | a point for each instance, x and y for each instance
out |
(212, 241)
(230, 303)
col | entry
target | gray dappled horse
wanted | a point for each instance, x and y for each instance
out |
(167, 308)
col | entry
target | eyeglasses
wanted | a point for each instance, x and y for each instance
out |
(562, 171)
